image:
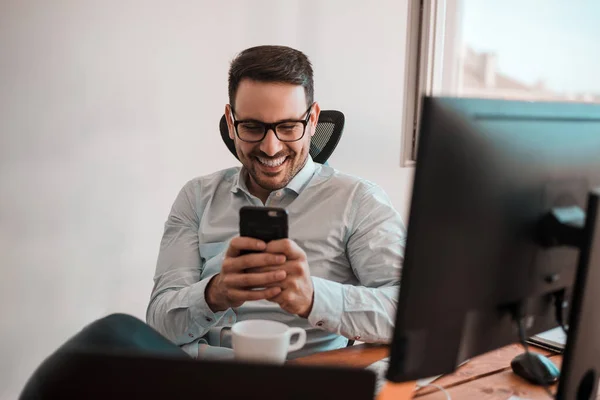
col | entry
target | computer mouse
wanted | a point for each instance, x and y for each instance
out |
(533, 367)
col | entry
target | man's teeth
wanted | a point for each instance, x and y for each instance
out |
(271, 162)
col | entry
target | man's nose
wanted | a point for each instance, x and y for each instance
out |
(270, 145)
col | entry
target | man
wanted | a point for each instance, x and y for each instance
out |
(338, 274)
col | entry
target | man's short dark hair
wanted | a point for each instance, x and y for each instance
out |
(272, 64)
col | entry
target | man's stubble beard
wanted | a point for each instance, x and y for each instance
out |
(290, 173)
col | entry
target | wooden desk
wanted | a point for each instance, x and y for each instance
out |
(485, 377)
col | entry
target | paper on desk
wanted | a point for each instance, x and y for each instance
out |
(380, 367)
(421, 383)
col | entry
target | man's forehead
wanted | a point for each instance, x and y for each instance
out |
(269, 101)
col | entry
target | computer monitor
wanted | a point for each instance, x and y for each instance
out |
(92, 374)
(495, 228)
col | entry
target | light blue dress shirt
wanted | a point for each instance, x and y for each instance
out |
(353, 238)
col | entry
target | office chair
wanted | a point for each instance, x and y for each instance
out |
(116, 335)
(323, 143)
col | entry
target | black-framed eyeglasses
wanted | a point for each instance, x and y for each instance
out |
(253, 131)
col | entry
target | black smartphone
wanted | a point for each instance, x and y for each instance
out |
(264, 223)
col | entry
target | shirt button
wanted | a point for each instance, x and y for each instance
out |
(191, 335)
(208, 319)
(320, 323)
(357, 337)
(278, 194)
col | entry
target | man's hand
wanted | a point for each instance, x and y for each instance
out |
(297, 290)
(233, 285)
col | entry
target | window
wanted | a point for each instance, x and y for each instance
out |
(530, 50)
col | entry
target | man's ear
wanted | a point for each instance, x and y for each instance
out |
(314, 118)
(229, 121)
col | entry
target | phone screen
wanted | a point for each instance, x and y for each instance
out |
(264, 223)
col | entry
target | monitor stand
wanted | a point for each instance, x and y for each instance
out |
(571, 226)
(581, 361)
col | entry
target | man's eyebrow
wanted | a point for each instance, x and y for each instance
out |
(274, 122)
(248, 119)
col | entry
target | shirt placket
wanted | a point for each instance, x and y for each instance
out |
(275, 199)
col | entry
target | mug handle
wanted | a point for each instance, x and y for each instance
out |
(301, 338)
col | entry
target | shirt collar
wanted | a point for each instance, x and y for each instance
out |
(303, 176)
(297, 183)
(239, 181)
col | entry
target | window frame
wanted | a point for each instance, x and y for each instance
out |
(430, 67)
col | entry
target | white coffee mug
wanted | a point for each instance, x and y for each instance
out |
(265, 341)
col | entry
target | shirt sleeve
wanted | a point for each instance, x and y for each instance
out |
(178, 308)
(375, 249)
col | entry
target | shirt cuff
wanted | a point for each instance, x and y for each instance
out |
(200, 312)
(328, 305)
(192, 348)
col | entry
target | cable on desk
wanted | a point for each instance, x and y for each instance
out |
(438, 387)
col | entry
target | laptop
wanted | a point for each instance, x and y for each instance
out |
(119, 376)
(553, 340)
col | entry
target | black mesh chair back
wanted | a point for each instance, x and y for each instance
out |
(327, 135)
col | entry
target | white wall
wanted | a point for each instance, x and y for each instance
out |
(108, 107)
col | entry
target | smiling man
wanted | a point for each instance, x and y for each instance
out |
(338, 274)
(272, 154)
